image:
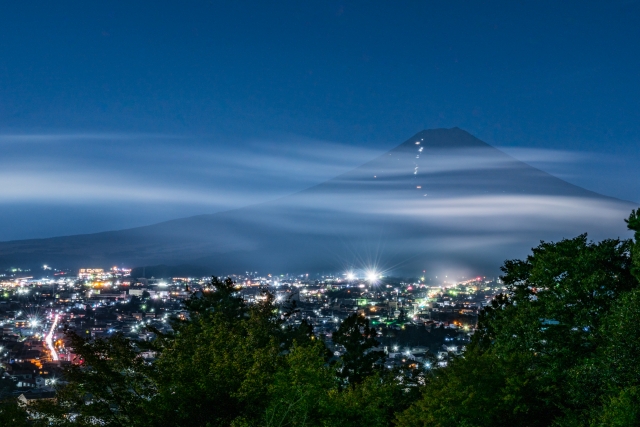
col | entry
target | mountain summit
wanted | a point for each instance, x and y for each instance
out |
(442, 201)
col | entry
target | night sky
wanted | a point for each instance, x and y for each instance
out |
(119, 114)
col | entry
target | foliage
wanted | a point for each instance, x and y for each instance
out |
(219, 364)
(307, 392)
(559, 348)
(620, 410)
(299, 389)
(479, 390)
(111, 383)
(11, 414)
(633, 223)
(374, 402)
(358, 339)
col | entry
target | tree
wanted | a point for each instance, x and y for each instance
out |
(12, 414)
(621, 410)
(298, 395)
(633, 223)
(548, 351)
(614, 369)
(111, 385)
(216, 369)
(479, 390)
(358, 338)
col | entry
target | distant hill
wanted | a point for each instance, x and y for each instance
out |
(443, 201)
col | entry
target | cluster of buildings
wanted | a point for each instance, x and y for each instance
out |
(419, 324)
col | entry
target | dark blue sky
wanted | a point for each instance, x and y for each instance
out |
(115, 114)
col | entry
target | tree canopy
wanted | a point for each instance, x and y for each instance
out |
(360, 360)
(559, 348)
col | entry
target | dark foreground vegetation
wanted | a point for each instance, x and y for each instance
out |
(561, 348)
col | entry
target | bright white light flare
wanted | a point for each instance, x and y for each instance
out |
(372, 276)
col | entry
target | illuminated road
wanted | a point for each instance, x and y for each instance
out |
(49, 339)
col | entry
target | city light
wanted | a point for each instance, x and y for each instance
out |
(369, 291)
(49, 339)
(372, 276)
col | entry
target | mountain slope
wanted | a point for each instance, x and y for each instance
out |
(443, 201)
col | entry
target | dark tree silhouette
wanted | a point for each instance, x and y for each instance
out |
(358, 339)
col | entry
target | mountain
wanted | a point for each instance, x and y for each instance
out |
(442, 202)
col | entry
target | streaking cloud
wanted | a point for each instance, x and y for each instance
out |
(469, 206)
